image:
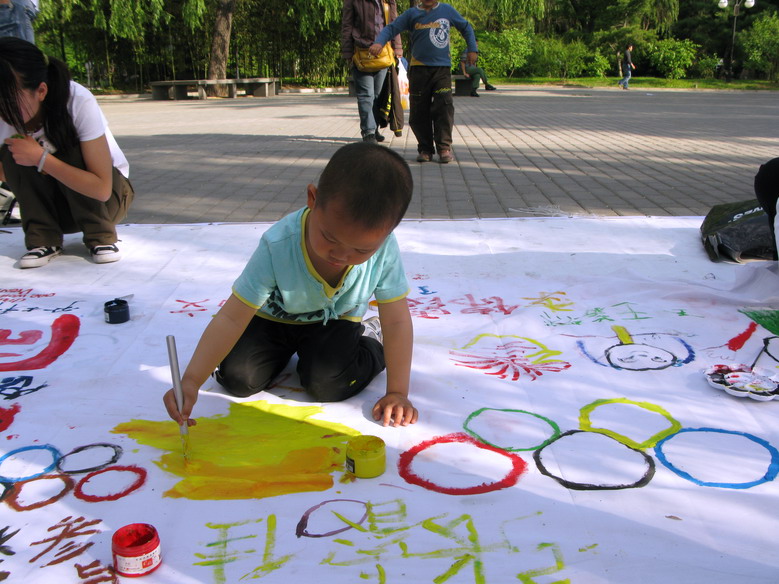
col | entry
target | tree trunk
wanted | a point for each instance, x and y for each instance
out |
(220, 45)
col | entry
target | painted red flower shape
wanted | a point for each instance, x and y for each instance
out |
(508, 359)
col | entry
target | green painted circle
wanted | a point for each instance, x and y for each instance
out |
(473, 434)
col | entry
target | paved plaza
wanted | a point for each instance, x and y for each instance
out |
(519, 151)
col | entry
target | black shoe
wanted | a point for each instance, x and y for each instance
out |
(490, 87)
(370, 138)
(379, 137)
(39, 256)
(105, 254)
(474, 93)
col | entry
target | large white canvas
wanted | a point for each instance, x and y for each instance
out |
(525, 330)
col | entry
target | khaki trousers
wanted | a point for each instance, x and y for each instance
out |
(49, 209)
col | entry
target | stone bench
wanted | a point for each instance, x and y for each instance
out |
(179, 89)
(462, 85)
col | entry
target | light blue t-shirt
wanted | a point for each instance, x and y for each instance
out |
(281, 283)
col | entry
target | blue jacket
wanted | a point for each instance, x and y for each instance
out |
(430, 32)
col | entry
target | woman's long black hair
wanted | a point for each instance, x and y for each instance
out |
(25, 66)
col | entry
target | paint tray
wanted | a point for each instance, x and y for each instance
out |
(742, 381)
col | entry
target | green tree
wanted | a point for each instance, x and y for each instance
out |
(500, 54)
(127, 43)
(497, 15)
(672, 58)
(761, 45)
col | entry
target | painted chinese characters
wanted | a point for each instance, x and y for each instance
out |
(380, 542)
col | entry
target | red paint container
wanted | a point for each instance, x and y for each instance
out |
(136, 550)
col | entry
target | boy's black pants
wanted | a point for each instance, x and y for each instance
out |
(431, 116)
(335, 361)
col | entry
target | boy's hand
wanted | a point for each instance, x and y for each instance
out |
(169, 399)
(395, 409)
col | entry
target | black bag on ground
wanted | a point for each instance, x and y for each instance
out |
(738, 232)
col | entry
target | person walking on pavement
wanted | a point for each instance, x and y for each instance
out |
(475, 74)
(431, 116)
(627, 65)
(361, 22)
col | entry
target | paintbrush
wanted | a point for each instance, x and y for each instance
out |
(178, 392)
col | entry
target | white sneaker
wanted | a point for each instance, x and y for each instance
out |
(39, 256)
(373, 329)
(105, 254)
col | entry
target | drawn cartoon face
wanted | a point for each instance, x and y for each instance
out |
(37, 349)
(639, 357)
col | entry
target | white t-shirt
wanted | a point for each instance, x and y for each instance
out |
(90, 124)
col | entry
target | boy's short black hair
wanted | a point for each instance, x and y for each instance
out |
(372, 182)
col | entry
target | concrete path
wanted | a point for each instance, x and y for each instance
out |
(519, 151)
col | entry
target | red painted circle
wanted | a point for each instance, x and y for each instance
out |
(79, 493)
(518, 466)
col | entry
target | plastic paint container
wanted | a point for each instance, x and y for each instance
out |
(117, 311)
(136, 550)
(365, 456)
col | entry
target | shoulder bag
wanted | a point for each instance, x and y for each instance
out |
(366, 62)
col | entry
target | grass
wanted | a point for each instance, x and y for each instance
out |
(645, 83)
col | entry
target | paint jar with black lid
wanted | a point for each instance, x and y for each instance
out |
(117, 311)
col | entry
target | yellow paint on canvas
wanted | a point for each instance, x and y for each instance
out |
(257, 450)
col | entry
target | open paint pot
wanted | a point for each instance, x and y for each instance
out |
(117, 311)
(136, 550)
(365, 456)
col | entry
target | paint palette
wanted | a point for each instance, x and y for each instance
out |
(742, 381)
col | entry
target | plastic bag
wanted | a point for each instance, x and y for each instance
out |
(738, 232)
(403, 84)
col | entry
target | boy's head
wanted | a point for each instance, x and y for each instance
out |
(371, 184)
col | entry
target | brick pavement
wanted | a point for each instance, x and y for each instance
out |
(520, 151)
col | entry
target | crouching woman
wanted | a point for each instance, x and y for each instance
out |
(58, 157)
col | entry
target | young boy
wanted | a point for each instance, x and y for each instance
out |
(430, 74)
(306, 289)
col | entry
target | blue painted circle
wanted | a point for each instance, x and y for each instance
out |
(55, 456)
(771, 473)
